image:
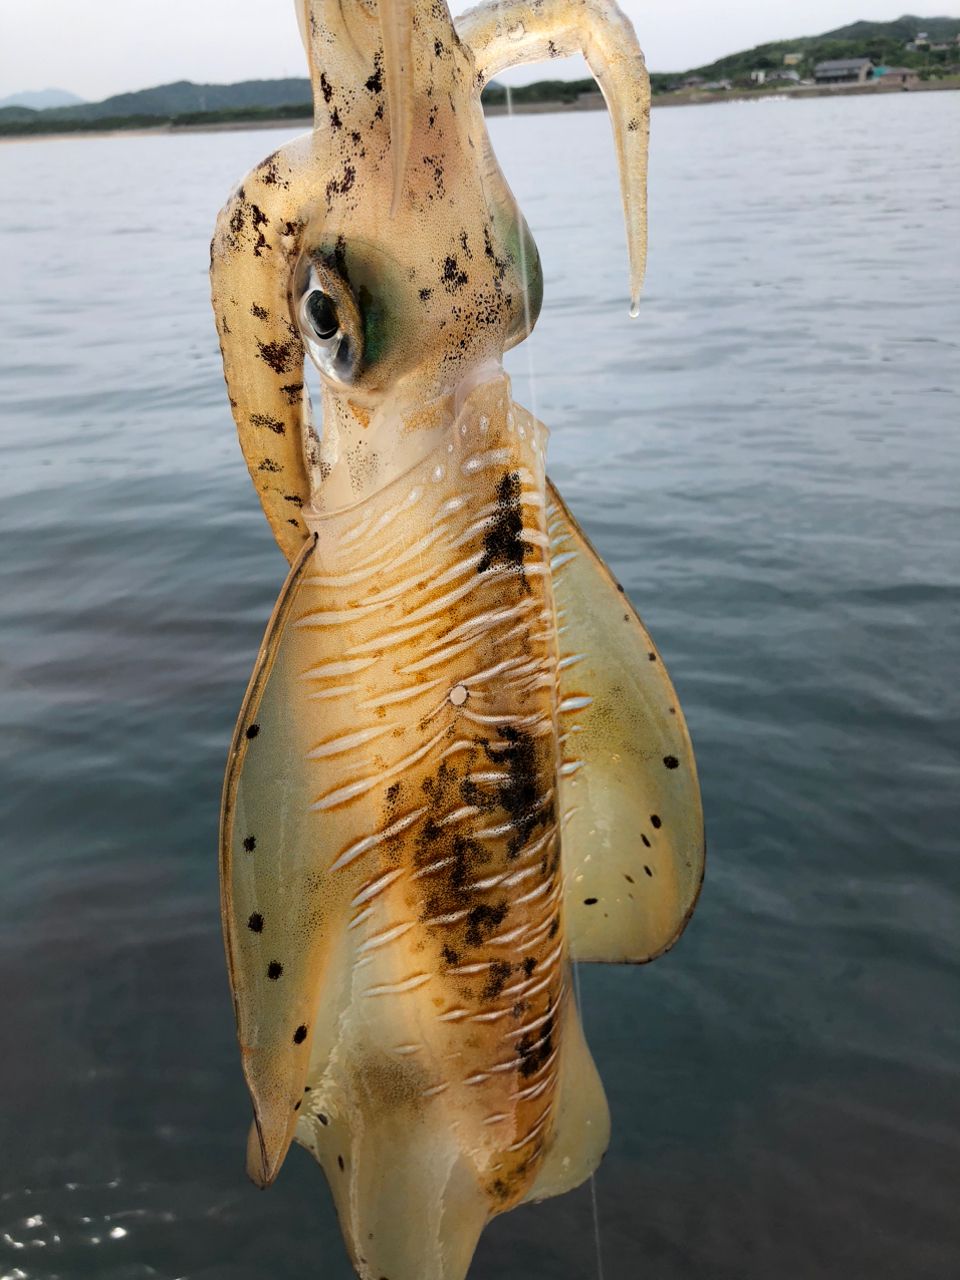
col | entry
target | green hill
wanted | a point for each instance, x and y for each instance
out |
(903, 29)
(167, 101)
(884, 42)
(251, 100)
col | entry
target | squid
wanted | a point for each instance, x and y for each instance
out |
(460, 766)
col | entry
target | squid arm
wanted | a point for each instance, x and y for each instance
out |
(511, 34)
(255, 244)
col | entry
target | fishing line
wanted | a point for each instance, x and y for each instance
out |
(532, 384)
(593, 1176)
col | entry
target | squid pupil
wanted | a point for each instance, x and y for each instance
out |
(323, 315)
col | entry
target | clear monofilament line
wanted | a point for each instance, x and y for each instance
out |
(532, 383)
(593, 1176)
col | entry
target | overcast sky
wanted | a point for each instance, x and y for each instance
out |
(99, 47)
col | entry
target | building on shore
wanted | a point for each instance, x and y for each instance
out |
(843, 71)
(906, 77)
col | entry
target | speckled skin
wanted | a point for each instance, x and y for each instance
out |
(396, 911)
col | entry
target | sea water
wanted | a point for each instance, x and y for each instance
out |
(769, 459)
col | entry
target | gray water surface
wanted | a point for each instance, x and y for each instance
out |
(769, 459)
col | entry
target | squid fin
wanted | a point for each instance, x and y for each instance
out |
(284, 916)
(633, 847)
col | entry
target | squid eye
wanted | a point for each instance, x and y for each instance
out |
(330, 323)
(322, 312)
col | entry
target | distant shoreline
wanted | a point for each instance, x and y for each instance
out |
(586, 102)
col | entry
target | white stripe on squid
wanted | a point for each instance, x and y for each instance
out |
(361, 785)
(347, 741)
(376, 887)
(382, 939)
(359, 847)
(398, 988)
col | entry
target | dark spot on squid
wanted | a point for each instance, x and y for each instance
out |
(340, 186)
(252, 730)
(250, 843)
(326, 88)
(519, 793)
(300, 1035)
(261, 313)
(374, 83)
(529, 965)
(271, 424)
(335, 121)
(655, 821)
(340, 1163)
(503, 544)
(256, 922)
(645, 840)
(322, 1118)
(648, 870)
(274, 970)
(533, 1055)
(482, 921)
(296, 1105)
(268, 464)
(452, 276)
(280, 356)
(497, 979)
(259, 219)
(671, 762)
(652, 657)
(590, 902)
(425, 295)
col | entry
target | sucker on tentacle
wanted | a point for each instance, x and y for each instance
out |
(460, 764)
